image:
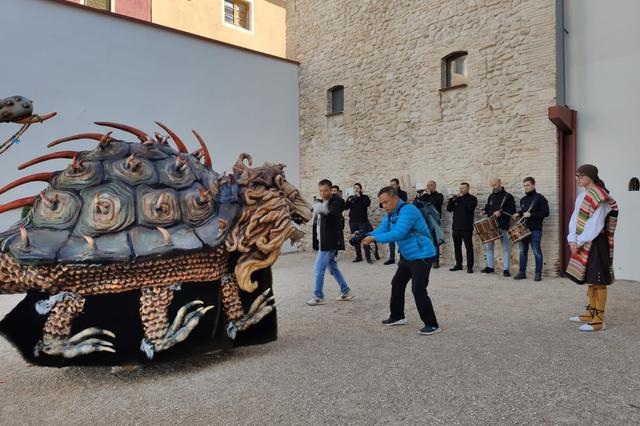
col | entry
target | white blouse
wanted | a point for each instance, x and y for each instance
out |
(594, 224)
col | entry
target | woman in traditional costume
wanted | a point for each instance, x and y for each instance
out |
(591, 232)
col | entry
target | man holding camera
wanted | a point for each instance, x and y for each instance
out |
(394, 183)
(327, 240)
(405, 225)
(358, 204)
(431, 195)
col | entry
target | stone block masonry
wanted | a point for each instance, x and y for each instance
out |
(397, 122)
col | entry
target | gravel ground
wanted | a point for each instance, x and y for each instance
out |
(507, 355)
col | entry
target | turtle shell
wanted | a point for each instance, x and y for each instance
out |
(125, 200)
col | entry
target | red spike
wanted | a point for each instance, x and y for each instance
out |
(94, 136)
(181, 147)
(17, 204)
(137, 132)
(205, 151)
(38, 177)
(52, 156)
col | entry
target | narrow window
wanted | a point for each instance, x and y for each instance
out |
(454, 70)
(336, 99)
(634, 184)
(238, 13)
(98, 4)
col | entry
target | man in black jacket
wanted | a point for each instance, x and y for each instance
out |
(327, 240)
(431, 195)
(534, 208)
(358, 204)
(463, 207)
(500, 205)
(395, 183)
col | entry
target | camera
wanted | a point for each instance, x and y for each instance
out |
(357, 238)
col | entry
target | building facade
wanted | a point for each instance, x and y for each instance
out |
(450, 91)
(253, 24)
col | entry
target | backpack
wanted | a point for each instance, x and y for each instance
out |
(431, 216)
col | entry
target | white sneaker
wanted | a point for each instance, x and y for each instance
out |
(589, 327)
(576, 319)
(345, 297)
(315, 301)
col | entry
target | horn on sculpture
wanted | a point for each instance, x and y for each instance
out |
(38, 177)
(52, 156)
(240, 166)
(91, 136)
(181, 146)
(137, 132)
(17, 204)
(205, 150)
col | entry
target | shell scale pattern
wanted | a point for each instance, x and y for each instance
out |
(124, 201)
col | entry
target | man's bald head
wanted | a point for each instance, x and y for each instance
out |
(496, 184)
(431, 185)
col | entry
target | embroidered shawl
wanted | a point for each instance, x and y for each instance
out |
(577, 267)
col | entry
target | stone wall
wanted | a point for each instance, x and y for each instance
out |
(398, 123)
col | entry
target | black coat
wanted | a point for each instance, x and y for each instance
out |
(539, 211)
(357, 207)
(504, 199)
(331, 225)
(463, 209)
(435, 198)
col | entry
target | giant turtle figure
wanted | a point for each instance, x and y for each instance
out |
(141, 226)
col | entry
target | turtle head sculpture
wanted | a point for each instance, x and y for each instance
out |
(147, 218)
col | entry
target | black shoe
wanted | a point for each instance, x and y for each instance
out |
(390, 321)
(537, 277)
(469, 270)
(436, 265)
(487, 270)
(357, 259)
(376, 255)
(506, 273)
(370, 262)
(390, 262)
(426, 330)
(520, 276)
(456, 268)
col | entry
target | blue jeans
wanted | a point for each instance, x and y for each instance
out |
(506, 251)
(534, 239)
(327, 259)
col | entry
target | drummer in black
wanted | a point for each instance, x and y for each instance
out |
(534, 208)
(463, 207)
(500, 205)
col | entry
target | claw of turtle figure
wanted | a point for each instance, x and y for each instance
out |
(82, 343)
(260, 308)
(183, 324)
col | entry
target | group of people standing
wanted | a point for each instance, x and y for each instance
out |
(533, 208)
(590, 236)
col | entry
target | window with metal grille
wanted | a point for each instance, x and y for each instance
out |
(237, 12)
(98, 4)
(454, 70)
(634, 184)
(336, 99)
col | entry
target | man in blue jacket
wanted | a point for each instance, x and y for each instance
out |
(405, 225)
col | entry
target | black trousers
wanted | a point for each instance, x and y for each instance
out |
(467, 237)
(418, 272)
(364, 227)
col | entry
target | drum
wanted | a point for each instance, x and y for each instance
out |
(488, 229)
(518, 231)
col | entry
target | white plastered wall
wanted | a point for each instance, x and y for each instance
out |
(603, 85)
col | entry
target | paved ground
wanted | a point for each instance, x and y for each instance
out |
(507, 355)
